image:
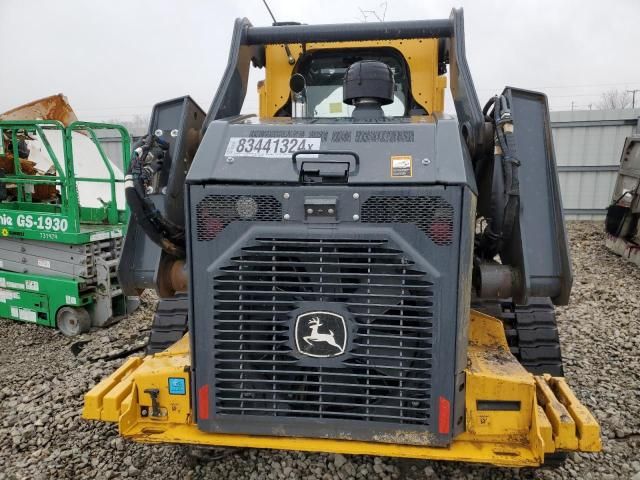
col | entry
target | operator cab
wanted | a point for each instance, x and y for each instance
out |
(324, 74)
(308, 82)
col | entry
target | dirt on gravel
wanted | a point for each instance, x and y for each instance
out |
(43, 376)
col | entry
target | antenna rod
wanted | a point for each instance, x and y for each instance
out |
(269, 10)
(275, 22)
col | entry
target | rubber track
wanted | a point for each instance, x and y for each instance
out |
(532, 333)
(169, 323)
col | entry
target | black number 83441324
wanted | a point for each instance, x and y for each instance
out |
(273, 146)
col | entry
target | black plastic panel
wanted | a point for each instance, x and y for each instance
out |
(395, 287)
(539, 247)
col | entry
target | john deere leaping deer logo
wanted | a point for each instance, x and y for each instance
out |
(321, 334)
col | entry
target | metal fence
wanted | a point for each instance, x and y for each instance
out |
(588, 145)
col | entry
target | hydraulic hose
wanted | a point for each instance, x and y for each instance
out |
(501, 223)
(504, 129)
(146, 161)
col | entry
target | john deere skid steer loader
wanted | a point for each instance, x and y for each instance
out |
(323, 258)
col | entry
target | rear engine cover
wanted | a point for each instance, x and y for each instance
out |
(346, 329)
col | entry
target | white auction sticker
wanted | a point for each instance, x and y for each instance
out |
(27, 315)
(8, 295)
(270, 147)
(44, 263)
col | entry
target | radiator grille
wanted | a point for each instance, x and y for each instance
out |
(215, 212)
(386, 374)
(431, 214)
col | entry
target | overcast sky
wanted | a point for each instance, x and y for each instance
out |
(116, 58)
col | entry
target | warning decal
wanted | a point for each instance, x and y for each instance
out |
(402, 166)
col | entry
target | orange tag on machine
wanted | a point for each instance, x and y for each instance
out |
(401, 166)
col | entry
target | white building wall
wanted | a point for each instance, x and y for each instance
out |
(588, 144)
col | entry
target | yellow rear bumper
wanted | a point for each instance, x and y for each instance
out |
(548, 417)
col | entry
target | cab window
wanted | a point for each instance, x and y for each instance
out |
(324, 72)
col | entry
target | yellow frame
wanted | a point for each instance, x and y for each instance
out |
(421, 56)
(550, 416)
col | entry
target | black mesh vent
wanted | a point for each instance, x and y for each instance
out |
(215, 212)
(386, 374)
(433, 215)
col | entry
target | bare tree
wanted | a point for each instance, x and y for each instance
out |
(379, 16)
(613, 99)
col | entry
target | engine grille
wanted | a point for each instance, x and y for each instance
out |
(431, 214)
(384, 377)
(215, 212)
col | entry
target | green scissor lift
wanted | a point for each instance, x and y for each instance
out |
(58, 259)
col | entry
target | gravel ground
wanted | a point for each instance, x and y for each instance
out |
(44, 375)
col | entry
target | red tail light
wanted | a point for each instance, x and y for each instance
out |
(203, 402)
(444, 415)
